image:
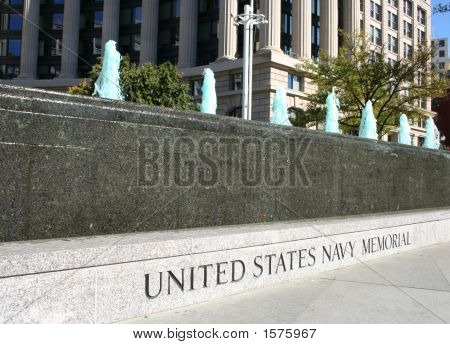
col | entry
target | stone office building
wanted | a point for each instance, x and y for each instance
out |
(199, 33)
(441, 59)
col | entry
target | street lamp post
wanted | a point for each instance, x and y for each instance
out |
(249, 20)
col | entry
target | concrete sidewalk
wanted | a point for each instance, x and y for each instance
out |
(412, 287)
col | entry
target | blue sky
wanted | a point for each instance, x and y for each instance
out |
(440, 22)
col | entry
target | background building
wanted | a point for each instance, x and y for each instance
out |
(441, 62)
(441, 59)
(196, 33)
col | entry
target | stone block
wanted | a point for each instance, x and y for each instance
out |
(71, 167)
(117, 277)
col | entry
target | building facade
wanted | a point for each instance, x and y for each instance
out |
(197, 33)
(441, 63)
(441, 59)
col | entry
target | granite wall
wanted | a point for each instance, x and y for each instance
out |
(112, 278)
(75, 166)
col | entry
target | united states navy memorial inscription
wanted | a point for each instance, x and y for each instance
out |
(234, 271)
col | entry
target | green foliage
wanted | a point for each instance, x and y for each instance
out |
(442, 8)
(150, 84)
(86, 87)
(362, 72)
(307, 119)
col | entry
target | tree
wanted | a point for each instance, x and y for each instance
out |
(442, 8)
(151, 84)
(305, 119)
(362, 72)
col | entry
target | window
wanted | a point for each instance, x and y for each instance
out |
(96, 46)
(441, 53)
(441, 43)
(41, 51)
(407, 7)
(10, 21)
(392, 20)
(125, 16)
(393, 3)
(57, 21)
(421, 15)
(236, 81)
(286, 28)
(316, 35)
(392, 44)
(10, 47)
(407, 50)
(130, 16)
(421, 37)
(207, 5)
(136, 42)
(286, 23)
(421, 123)
(421, 141)
(315, 32)
(13, 71)
(374, 55)
(165, 10)
(3, 47)
(4, 20)
(235, 112)
(295, 82)
(407, 29)
(442, 65)
(169, 32)
(378, 12)
(98, 19)
(207, 39)
(375, 10)
(164, 37)
(375, 35)
(207, 31)
(14, 22)
(83, 47)
(56, 47)
(55, 71)
(9, 71)
(130, 43)
(137, 15)
(42, 71)
(83, 20)
(420, 78)
(169, 9)
(196, 87)
(315, 7)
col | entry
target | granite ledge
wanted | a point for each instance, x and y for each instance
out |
(30, 257)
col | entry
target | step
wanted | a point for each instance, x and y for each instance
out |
(114, 278)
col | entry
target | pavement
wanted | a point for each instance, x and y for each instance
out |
(411, 287)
